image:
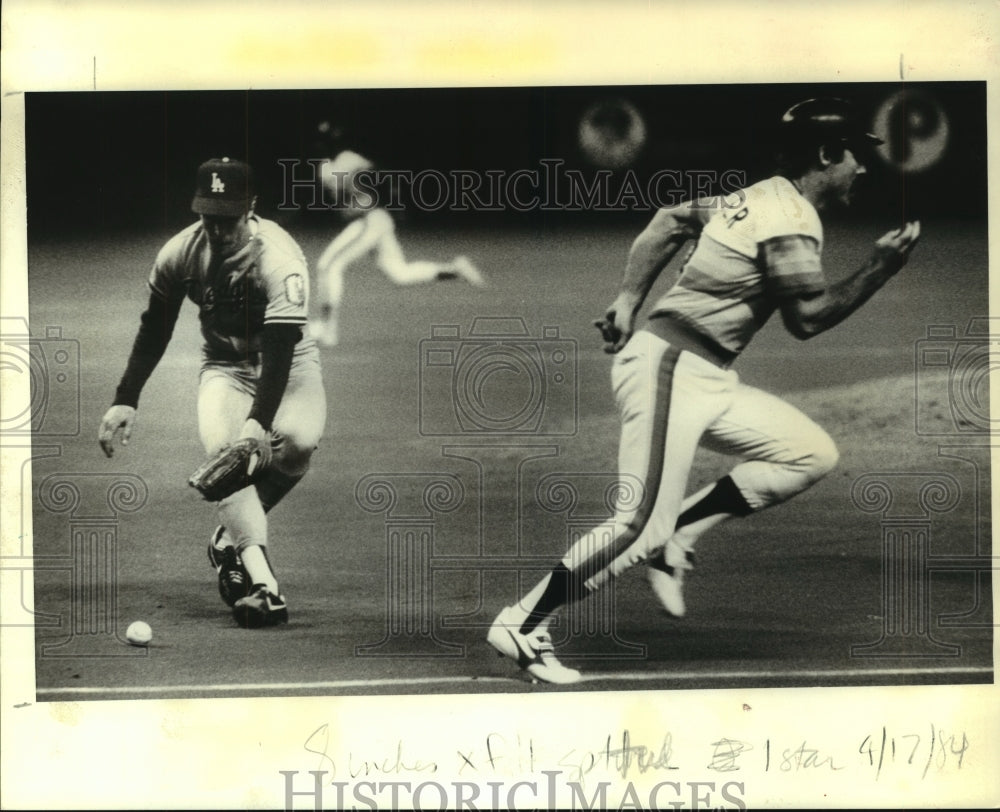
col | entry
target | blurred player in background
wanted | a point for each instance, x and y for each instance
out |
(758, 252)
(369, 227)
(260, 371)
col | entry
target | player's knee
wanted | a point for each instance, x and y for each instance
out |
(291, 455)
(396, 270)
(823, 457)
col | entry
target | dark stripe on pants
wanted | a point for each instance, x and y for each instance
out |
(654, 470)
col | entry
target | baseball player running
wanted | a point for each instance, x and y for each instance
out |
(260, 373)
(369, 228)
(758, 252)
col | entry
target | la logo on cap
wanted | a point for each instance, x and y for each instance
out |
(223, 188)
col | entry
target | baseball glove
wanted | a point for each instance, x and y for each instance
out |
(230, 469)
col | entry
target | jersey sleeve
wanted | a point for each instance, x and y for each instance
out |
(166, 279)
(792, 265)
(277, 349)
(789, 238)
(156, 326)
(286, 282)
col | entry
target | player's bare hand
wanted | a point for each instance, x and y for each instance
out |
(616, 328)
(609, 332)
(117, 423)
(893, 248)
(251, 428)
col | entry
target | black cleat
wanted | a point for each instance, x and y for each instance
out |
(234, 582)
(260, 608)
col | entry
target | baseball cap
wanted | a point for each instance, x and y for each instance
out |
(825, 118)
(224, 187)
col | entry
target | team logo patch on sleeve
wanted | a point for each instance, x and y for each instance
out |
(295, 289)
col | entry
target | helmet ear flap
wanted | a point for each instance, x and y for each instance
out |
(831, 152)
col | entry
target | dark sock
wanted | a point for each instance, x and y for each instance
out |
(725, 497)
(564, 587)
(659, 562)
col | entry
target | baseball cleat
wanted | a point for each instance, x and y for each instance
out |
(260, 608)
(667, 582)
(532, 652)
(233, 579)
(469, 272)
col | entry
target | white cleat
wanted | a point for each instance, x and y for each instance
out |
(667, 582)
(668, 589)
(470, 273)
(532, 652)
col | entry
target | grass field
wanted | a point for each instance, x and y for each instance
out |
(778, 599)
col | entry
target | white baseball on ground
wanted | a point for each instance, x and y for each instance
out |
(139, 633)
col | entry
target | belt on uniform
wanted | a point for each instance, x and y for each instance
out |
(684, 337)
(250, 357)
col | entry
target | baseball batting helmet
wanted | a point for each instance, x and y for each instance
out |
(827, 121)
(824, 120)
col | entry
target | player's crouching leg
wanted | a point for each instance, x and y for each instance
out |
(243, 517)
(296, 433)
(264, 605)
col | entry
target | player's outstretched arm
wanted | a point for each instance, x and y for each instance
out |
(810, 315)
(650, 253)
(155, 329)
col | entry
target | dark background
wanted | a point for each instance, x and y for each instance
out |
(126, 160)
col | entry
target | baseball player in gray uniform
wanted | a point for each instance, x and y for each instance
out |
(368, 229)
(758, 252)
(260, 372)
